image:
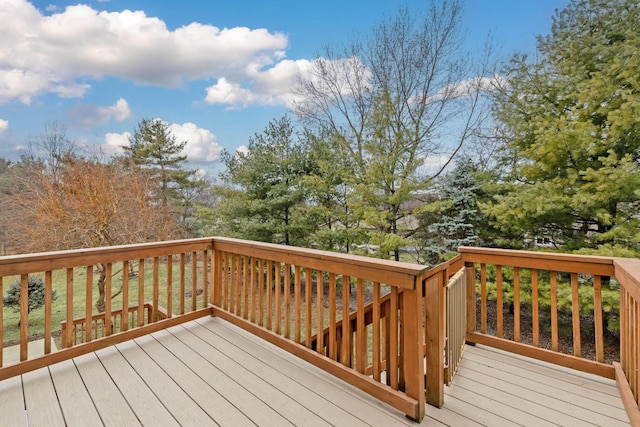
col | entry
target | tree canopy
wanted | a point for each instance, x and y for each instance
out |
(263, 198)
(386, 102)
(572, 138)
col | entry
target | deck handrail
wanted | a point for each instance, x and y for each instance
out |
(296, 298)
(278, 293)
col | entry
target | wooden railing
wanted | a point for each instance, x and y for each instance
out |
(297, 299)
(627, 370)
(84, 331)
(528, 276)
(175, 275)
(392, 344)
(524, 277)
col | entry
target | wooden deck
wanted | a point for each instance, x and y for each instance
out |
(208, 372)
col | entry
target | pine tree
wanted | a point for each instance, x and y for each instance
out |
(572, 138)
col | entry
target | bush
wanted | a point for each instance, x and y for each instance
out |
(36, 294)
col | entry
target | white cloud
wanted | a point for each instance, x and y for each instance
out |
(466, 88)
(270, 86)
(202, 145)
(114, 142)
(59, 53)
(92, 114)
(4, 126)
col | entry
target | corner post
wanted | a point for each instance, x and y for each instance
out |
(435, 327)
(413, 348)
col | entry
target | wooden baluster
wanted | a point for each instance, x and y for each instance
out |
(297, 304)
(535, 313)
(287, 301)
(345, 351)
(320, 312)
(499, 302)
(376, 331)
(308, 312)
(245, 286)
(252, 290)
(575, 315)
(194, 281)
(553, 277)
(483, 298)
(231, 283)
(269, 294)
(260, 292)
(392, 355)
(516, 304)
(1, 322)
(107, 298)
(140, 292)
(170, 286)
(333, 343)
(361, 335)
(125, 296)
(182, 282)
(278, 296)
(48, 299)
(597, 317)
(205, 278)
(470, 275)
(156, 289)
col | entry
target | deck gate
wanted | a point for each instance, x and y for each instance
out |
(456, 322)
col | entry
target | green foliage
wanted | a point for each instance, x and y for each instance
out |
(154, 147)
(571, 135)
(453, 219)
(264, 197)
(36, 292)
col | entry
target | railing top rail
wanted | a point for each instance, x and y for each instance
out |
(399, 274)
(628, 273)
(570, 263)
(44, 261)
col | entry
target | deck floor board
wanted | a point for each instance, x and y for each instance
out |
(208, 372)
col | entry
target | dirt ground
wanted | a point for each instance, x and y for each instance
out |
(565, 335)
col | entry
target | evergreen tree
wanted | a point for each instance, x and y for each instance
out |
(572, 138)
(454, 219)
(264, 198)
(155, 148)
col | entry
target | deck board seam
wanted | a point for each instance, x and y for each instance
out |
(233, 379)
(178, 385)
(565, 396)
(303, 366)
(147, 385)
(329, 380)
(588, 384)
(199, 376)
(492, 383)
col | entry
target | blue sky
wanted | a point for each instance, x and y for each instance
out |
(215, 71)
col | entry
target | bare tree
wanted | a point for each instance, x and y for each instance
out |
(88, 204)
(394, 102)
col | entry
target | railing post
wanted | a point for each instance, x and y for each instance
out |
(470, 274)
(435, 327)
(413, 348)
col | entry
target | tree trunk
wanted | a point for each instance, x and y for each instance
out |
(100, 302)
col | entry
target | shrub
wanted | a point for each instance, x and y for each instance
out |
(36, 291)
